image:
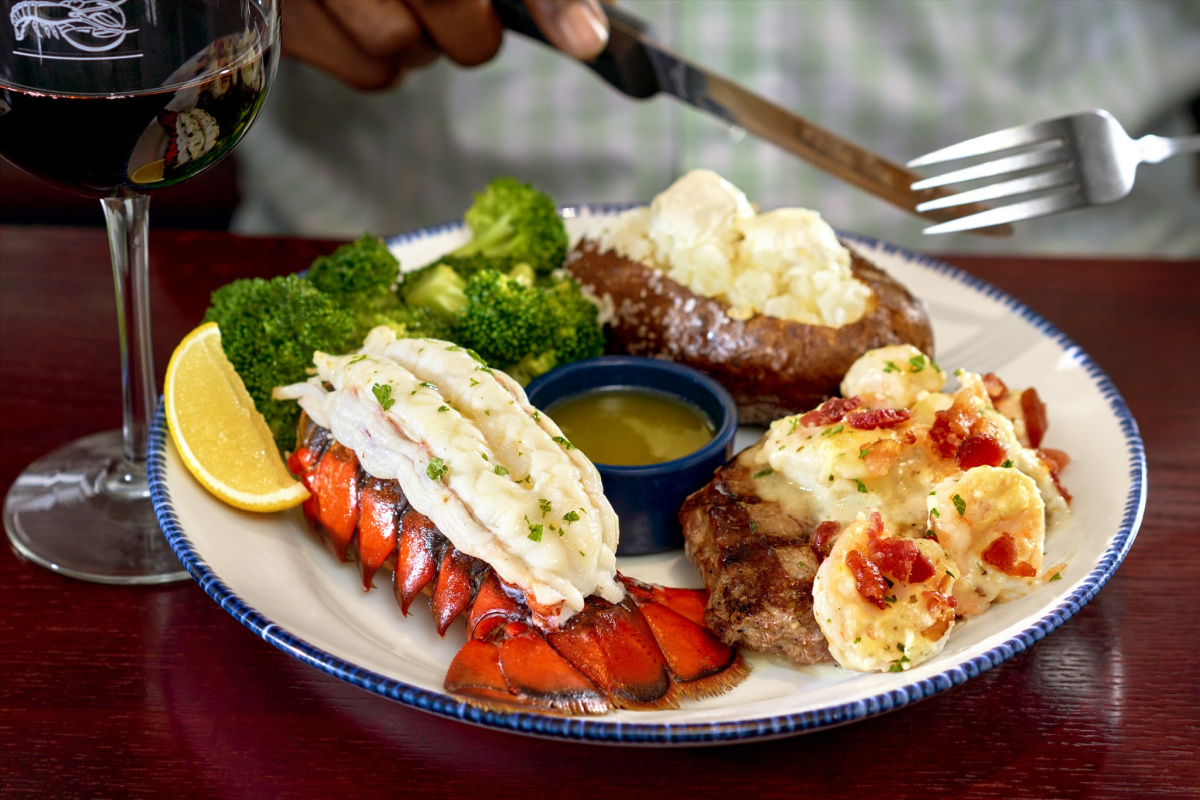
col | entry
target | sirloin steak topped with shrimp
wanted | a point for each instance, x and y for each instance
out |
(864, 528)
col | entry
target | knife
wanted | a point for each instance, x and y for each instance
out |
(639, 67)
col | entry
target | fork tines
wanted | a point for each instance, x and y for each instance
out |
(1043, 158)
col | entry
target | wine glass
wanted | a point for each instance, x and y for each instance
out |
(114, 99)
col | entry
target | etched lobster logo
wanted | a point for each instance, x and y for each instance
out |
(93, 26)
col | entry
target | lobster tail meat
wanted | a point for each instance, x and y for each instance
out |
(550, 624)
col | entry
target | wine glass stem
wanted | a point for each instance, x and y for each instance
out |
(128, 220)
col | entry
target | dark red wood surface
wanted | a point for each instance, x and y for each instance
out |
(119, 692)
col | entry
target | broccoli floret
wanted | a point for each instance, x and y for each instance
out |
(513, 220)
(531, 366)
(468, 265)
(527, 327)
(412, 322)
(269, 330)
(577, 330)
(436, 287)
(505, 318)
(360, 275)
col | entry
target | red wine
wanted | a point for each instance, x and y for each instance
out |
(95, 144)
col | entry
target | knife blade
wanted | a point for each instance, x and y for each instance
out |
(639, 67)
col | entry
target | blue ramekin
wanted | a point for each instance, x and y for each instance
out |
(647, 498)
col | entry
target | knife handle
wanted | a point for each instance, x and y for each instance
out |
(623, 64)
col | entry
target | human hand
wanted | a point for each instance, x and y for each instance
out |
(373, 44)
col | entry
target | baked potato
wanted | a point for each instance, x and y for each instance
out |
(772, 366)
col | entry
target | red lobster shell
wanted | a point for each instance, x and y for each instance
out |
(648, 651)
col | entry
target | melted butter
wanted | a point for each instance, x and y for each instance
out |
(628, 427)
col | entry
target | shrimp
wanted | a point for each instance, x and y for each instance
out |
(893, 377)
(991, 522)
(883, 601)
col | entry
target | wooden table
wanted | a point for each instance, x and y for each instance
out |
(108, 691)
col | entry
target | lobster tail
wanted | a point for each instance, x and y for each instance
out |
(646, 652)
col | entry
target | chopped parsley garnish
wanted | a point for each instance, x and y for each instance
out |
(795, 421)
(562, 440)
(933, 512)
(474, 382)
(1007, 463)
(436, 469)
(836, 429)
(960, 505)
(891, 598)
(535, 530)
(862, 487)
(383, 393)
(537, 415)
(862, 452)
(898, 664)
(890, 366)
(357, 358)
(443, 409)
(917, 363)
(929, 534)
(501, 469)
(428, 385)
(544, 505)
(1057, 576)
(571, 516)
(762, 473)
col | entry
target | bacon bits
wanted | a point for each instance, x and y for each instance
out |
(831, 411)
(870, 418)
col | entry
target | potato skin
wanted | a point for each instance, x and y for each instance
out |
(772, 367)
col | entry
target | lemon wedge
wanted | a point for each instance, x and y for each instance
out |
(223, 440)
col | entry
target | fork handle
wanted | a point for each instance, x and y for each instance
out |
(1160, 148)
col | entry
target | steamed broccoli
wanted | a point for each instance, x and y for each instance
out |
(361, 275)
(269, 330)
(576, 320)
(437, 287)
(525, 326)
(505, 318)
(510, 219)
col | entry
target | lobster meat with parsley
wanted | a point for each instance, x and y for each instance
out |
(422, 461)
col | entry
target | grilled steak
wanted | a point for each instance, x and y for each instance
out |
(753, 543)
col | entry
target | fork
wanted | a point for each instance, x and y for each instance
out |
(1083, 159)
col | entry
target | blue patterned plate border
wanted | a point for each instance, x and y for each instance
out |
(686, 732)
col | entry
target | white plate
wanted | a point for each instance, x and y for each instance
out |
(274, 578)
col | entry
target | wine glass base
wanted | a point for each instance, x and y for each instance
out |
(83, 512)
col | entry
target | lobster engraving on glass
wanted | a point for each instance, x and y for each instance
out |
(93, 26)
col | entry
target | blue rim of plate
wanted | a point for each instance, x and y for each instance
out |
(634, 733)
